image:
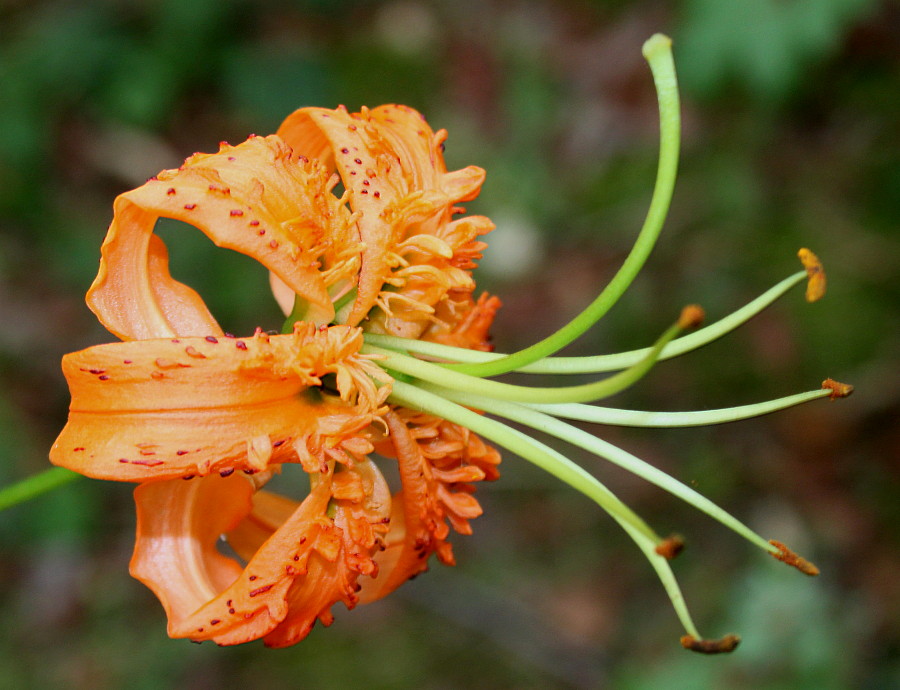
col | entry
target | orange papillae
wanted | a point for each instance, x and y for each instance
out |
(179, 400)
(414, 254)
(180, 407)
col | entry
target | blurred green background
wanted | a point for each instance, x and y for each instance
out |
(791, 139)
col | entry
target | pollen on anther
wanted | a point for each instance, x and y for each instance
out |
(815, 273)
(670, 547)
(838, 389)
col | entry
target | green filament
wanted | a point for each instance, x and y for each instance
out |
(638, 418)
(394, 361)
(559, 466)
(658, 53)
(578, 437)
(598, 363)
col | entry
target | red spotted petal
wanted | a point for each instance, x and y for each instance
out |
(252, 198)
(160, 409)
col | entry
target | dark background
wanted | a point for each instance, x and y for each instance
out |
(791, 129)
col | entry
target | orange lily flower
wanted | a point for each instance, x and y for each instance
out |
(181, 400)
(385, 351)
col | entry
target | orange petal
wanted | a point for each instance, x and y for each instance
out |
(360, 522)
(330, 573)
(160, 409)
(392, 165)
(175, 552)
(251, 198)
(178, 527)
(269, 512)
(434, 464)
(472, 323)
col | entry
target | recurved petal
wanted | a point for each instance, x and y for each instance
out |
(167, 408)
(175, 555)
(178, 526)
(391, 163)
(252, 198)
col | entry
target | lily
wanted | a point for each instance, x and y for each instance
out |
(384, 357)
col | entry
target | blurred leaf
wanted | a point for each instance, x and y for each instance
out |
(762, 45)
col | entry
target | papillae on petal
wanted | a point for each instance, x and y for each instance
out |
(179, 407)
(300, 560)
(392, 165)
(253, 198)
(437, 462)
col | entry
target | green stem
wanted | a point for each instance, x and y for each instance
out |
(560, 467)
(598, 363)
(34, 486)
(658, 52)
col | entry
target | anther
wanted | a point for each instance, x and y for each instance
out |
(787, 556)
(691, 317)
(815, 288)
(838, 389)
(725, 644)
(670, 547)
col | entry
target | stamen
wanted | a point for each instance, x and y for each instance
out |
(561, 467)
(670, 547)
(639, 418)
(657, 51)
(599, 363)
(505, 391)
(603, 449)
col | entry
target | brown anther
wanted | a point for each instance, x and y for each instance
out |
(724, 644)
(815, 287)
(838, 389)
(789, 557)
(691, 317)
(670, 547)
